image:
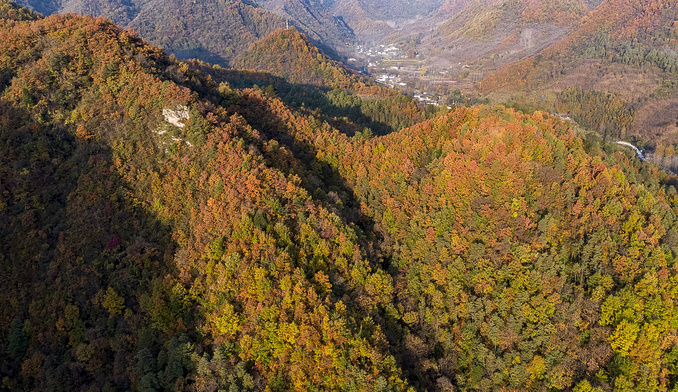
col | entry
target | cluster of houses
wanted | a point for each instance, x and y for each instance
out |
(374, 54)
(390, 80)
(380, 51)
(425, 98)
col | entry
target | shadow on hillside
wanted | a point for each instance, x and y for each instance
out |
(78, 257)
(199, 53)
(348, 118)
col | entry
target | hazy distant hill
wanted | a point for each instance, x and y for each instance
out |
(213, 30)
(622, 47)
(366, 27)
(216, 30)
(399, 9)
(479, 19)
(372, 20)
(450, 19)
(489, 32)
(496, 32)
(315, 20)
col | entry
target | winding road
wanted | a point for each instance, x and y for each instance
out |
(638, 152)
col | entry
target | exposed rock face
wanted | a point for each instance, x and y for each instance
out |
(176, 116)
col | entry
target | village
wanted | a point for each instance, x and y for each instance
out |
(402, 68)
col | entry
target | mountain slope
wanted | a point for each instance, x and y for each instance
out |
(509, 237)
(372, 20)
(477, 19)
(365, 26)
(214, 31)
(290, 55)
(488, 34)
(485, 207)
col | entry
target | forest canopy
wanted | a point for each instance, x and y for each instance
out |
(161, 229)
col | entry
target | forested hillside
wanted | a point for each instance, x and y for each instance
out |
(521, 257)
(144, 255)
(162, 229)
(288, 54)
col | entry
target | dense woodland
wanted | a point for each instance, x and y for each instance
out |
(604, 113)
(289, 55)
(261, 247)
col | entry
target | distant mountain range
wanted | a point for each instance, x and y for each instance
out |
(218, 30)
(314, 20)
(212, 30)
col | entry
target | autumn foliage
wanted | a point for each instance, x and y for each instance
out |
(259, 247)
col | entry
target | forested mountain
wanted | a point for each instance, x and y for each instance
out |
(117, 226)
(621, 57)
(163, 230)
(216, 31)
(290, 55)
(12, 11)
